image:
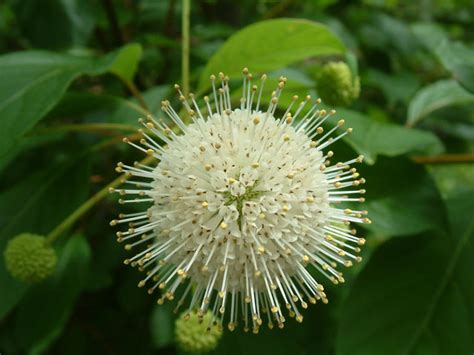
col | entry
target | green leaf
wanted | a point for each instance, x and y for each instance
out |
(34, 81)
(26, 143)
(351, 60)
(455, 56)
(39, 21)
(341, 30)
(270, 45)
(452, 177)
(429, 34)
(81, 105)
(125, 63)
(416, 296)
(23, 209)
(316, 332)
(162, 326)
(402, 198)
(433, 97)
(395, 33)
(459, 60)
(371, 138)
(51, 313)
(106, 257)
(126, 112)
(110, 109)
(397, 88)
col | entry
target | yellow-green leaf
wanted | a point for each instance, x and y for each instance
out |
(270, 45)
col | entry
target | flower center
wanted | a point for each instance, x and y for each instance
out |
(238, 198)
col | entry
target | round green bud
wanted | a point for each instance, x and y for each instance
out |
(29, 258)
(196, 333)
(336, 85)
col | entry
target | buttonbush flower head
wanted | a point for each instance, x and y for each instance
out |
(196, 333)
(243, 220)
(29, 258)
(336, 84)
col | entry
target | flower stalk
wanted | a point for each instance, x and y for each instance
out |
(185, 45)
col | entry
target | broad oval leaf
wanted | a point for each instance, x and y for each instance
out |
(34, 81)
(433, 97)
(417, 296)
(395, 188)
(270, 45)
(371, 138)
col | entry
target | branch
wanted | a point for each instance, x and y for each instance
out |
(137, 94)
(445, 159)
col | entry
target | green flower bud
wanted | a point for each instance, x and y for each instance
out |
(29, 258)
(336, 84)
(197, 334)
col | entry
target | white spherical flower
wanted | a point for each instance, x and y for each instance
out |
(243, 205)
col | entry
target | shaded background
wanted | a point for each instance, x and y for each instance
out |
(64, 110)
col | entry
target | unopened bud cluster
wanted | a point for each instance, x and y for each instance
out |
(29, 258)
(336, 84)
